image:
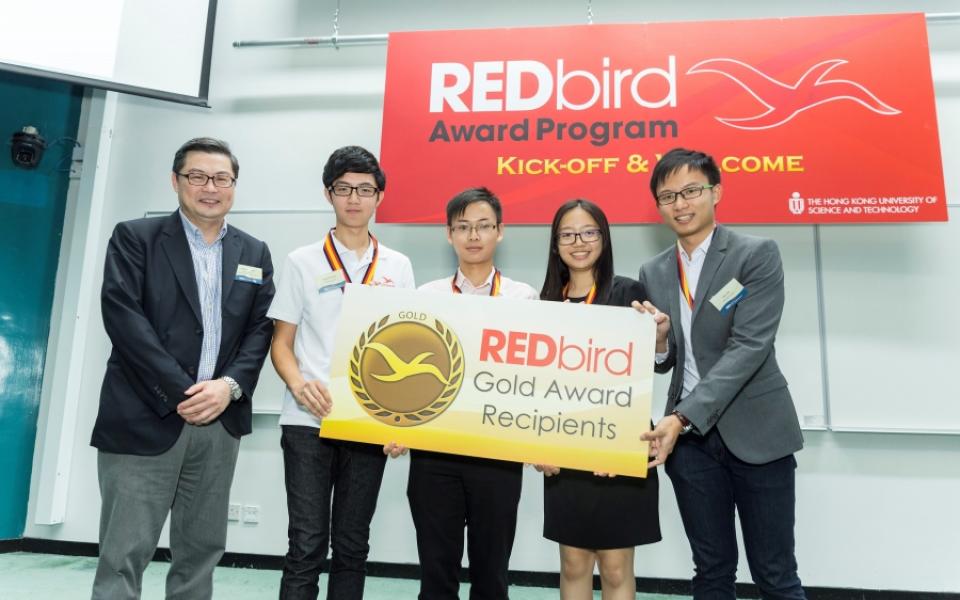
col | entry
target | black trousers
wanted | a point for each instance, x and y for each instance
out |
(449, 492)
(712, 486)
(332, 489)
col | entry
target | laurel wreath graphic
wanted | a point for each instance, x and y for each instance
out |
(425, 414)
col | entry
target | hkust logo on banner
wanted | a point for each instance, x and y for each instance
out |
(498, 378)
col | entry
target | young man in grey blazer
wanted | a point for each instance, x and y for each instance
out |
(730, 429)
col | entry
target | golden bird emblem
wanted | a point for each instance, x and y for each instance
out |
(402, 369)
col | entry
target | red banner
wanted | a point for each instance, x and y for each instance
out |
(812, 120)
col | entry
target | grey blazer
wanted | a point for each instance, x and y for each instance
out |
(741, 390)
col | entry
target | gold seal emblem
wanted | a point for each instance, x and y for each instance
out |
(408, 371)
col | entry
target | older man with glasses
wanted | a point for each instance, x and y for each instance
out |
(184, 302)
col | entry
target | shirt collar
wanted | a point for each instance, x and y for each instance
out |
(700, 251)
(194, 234)
(465, 284)
(343, 251)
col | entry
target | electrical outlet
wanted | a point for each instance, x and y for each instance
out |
(233, 513)
(251, 513)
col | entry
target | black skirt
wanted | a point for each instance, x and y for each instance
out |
(600, 513)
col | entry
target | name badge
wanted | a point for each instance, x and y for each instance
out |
(331, 281)
(728, 296)
(249, 274)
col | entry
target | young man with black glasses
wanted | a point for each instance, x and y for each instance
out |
(730, 431)
(448, 491)
(332, 486)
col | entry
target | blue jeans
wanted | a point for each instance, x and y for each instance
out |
(711, 484)
(314, 470)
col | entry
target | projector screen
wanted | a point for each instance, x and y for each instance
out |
(155, 49)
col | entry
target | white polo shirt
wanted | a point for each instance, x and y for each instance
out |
(299, 301)
(508, 287)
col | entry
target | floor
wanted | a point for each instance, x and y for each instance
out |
(28, 576)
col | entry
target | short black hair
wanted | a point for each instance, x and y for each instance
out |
(678, 158)
(459, 203)
(353, 159)
(210, 146)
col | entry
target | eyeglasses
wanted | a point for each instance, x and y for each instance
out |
(480, 228)
(688, 194)
(220, 180)
(363, 191)
(587, 236)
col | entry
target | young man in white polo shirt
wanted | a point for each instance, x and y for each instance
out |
(448, 491)
(305, 310)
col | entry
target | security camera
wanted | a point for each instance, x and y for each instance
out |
(26, 147)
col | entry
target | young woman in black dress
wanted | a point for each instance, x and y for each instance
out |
(596, 519)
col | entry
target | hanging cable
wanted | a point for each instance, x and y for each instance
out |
(336, 27)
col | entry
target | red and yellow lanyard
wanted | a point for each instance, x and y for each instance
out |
(494, 286)
(336, 264)
(684, 286)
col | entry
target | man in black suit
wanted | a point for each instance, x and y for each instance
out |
(184, 302)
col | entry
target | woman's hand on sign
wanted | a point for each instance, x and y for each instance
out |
(393, 450)
(547, 470)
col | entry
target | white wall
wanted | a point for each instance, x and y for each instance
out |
(875, 511)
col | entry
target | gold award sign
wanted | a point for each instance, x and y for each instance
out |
(528, 381)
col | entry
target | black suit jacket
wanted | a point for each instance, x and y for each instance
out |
(151, 312)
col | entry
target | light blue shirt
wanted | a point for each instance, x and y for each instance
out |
(208, 269)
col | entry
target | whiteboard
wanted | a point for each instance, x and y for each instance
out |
(283, 231)
(798, 342)
(892, 326)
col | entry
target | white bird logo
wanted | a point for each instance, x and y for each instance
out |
(785, 101)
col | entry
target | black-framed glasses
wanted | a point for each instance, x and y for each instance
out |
(344, 190)
(481, 228)
(587, 236)
(688, 194)
(220, 180)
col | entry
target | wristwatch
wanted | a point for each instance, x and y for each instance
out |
(235, 391)
(687, 425)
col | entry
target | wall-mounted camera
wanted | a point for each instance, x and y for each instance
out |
(26, 147)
